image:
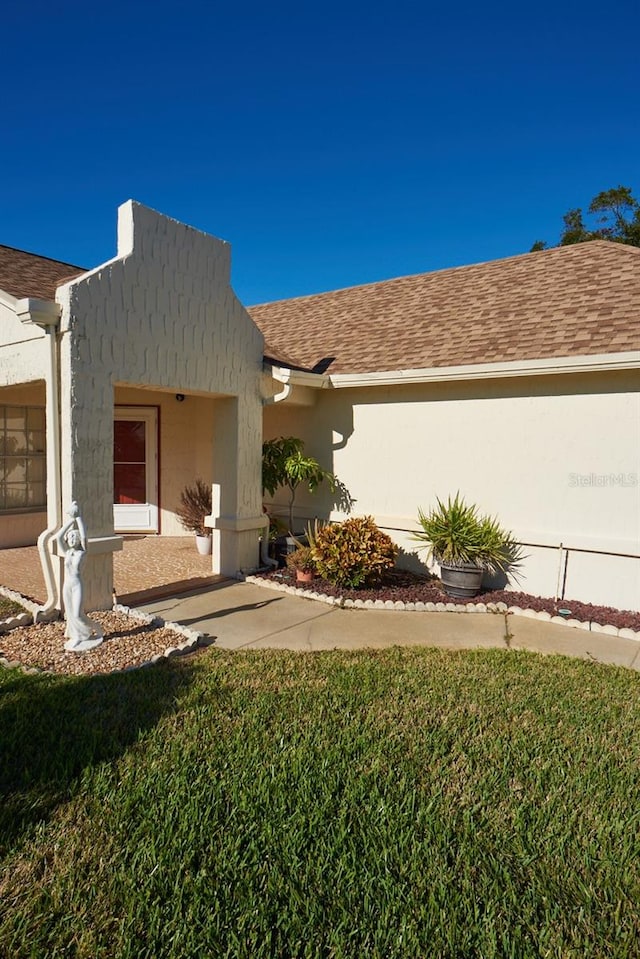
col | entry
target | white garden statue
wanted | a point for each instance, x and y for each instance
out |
(81, 632)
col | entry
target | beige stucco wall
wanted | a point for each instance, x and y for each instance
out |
(557, 458)
(162, 315)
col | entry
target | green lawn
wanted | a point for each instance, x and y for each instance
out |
(9, 608)
(405, 803)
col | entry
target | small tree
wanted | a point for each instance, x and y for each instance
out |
(284, 464)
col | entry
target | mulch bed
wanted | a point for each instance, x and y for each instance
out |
(403, 586)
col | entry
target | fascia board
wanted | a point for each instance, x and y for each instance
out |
(602, 362)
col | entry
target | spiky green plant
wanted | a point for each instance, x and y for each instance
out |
(455, 534)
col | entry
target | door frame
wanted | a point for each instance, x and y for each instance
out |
(142, 517)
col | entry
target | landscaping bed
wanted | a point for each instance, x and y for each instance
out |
(130, 641)
(406, 587)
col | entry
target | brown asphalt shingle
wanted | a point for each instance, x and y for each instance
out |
(26, 274)
(568, 301)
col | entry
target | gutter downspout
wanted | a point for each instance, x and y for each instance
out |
(47, 316)
(284, 394)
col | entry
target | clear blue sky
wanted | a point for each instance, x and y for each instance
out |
(331, 143)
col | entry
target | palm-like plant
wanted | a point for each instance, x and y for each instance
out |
(456, 535)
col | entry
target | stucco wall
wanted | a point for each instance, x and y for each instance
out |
(557, 458)
(161, 315)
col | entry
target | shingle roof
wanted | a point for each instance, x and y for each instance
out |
(567, 301)
(26, 274)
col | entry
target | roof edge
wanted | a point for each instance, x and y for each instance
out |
(598, 363)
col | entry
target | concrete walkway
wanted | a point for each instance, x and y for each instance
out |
(246, 616)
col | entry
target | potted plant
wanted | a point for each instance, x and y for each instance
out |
(301, 560)
(465, 544)
(284, 463)
(195, 504)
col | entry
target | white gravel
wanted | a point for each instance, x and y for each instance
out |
(128, 642)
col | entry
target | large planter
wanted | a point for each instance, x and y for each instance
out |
(203, 544)
(461, 581)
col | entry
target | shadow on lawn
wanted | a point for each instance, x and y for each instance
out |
(52, 728)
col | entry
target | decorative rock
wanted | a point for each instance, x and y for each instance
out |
(628, 634)
(586, 626)
(501, 607)
(492, 608)
(359, 603)
(471, 608)
(560, 620)
(410, 607)
(450, 607)
(369, 604)
(420, 607)
(543, 615)
(596, 628)
(610, 630)
(481, 608)
(516, 610)
(431, 607)
(575, 623)
(379, 603)
(529, 613)
(441, 607)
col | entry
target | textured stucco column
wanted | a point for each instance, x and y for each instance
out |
(237, 518)
(86, 453)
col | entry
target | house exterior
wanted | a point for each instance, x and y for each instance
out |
(514, 382)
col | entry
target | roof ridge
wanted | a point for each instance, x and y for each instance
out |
(573, 247)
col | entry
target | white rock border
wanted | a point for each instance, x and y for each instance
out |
(192, 638)
(542, 615)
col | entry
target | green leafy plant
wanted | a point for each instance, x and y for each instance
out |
(195, 504)
(457, 535)
(353, 553)
(284, 463)
(302, 559)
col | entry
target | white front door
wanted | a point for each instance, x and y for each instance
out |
(135, 469)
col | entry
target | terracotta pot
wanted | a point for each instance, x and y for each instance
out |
(303, 576)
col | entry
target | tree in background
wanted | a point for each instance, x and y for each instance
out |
(615, 215)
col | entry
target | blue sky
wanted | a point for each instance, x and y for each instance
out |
(332, 144)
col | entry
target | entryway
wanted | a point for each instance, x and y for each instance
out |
(135, 469)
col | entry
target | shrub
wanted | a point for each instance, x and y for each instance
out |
(353, 553)
(302, 559)
(195, 504)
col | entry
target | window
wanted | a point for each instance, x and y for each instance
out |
(22, 458)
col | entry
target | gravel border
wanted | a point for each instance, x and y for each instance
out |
(389, 604)
(191, 640)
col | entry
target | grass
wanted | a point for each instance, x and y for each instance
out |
(404, 803)
(9, 608)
